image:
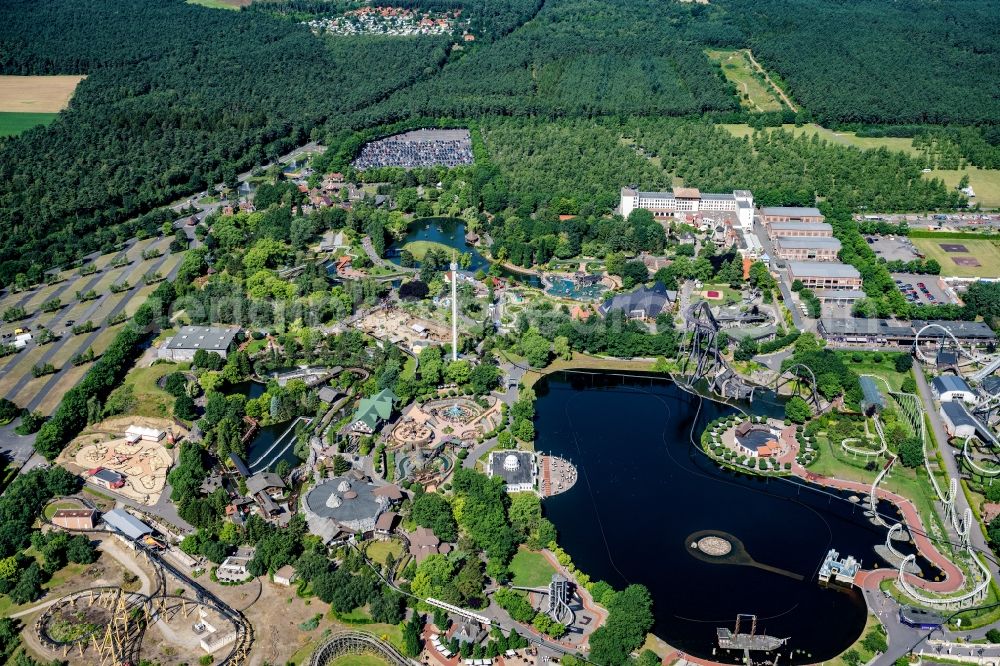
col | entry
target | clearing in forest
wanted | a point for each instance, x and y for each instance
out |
(221, 4)
(755, 92)
(984, 182)
(843, 138)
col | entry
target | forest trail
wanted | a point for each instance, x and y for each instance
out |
(763, 72)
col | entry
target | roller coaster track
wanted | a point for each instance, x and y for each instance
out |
(975, 594)
(985, 371)
(354, 643)
(923, 357)
(790, 376)
(982, 471)
(868, 453)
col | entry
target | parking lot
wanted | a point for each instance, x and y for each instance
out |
(921, 289)
(893, 248)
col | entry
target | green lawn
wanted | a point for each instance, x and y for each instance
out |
(377, 551)
(419, 248)
(755, 94)
(51, 509)
(531, 569)
(886, 368)
(986, 252)
(985, 183)
(13, 123)
(255, 346)
(150, 399)
(728, 294)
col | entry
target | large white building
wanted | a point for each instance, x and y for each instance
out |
(689, 200)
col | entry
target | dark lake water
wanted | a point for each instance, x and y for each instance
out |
(451, 231)
(644, 489)
(262, 451)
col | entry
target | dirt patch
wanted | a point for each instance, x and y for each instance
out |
(36, 94)
(968, 262)
(953, 247)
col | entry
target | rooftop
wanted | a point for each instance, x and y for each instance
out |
(826, 269)
(956, 412)
(946, 383)
(126, 523)
(801, 226)
(343, 500)
(375, 409)
(872, 396)
(261, 481)
(209, 338)
(792, 211)
(805, 243)
(960, 329)
(651, 300)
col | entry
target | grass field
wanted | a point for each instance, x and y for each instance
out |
(150, 399)
(36, 94)
(985, 183)
(13, 123)
(358, 660)
(419, 248)
(379, 550)
(843, 138)
(754, 93)
(221, 4)
(531, 569)
(986, 252)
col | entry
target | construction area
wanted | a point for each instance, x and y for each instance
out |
(399, 327)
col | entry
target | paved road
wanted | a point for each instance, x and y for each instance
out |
(951, 465)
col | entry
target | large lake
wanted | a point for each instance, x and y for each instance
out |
(644, 489)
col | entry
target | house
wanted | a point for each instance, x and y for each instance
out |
(386, 522)
(285, 575)
(182, 346)
(947, 388)
(234, 568)
(423, 542)
(106, 478)
(328, 395)
(391, 492)
(265, 482)
(74, 519)
(373, 411)
(643, 303)
(824, 275)
(957, 420)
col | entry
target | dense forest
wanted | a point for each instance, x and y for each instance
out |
(176, 96)
(577, 57)
(179, 96)
(873, 61)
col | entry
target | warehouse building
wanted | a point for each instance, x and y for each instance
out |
(183, 345)
(774, 214)
(824, 275)
(802, 248)
(957, 420)
(799, 230)
(948, 388)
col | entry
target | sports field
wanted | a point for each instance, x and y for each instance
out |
(959, 257)
(843, 138)
(985, 183)
(754, 93)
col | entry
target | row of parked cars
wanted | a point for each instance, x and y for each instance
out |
(911, 294)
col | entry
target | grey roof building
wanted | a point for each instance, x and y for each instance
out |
(189, 339)
(264, 482)
(826, 269)
(804, 242)
(126, 524)
(963, 330)
(797, 212)
(643, 303)
(518, 469)
(340, 504)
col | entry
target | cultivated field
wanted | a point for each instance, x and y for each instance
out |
(964, 255)
(985, 183)
(12, 123)
(755, 93)
(36, 94)
(843, 138)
